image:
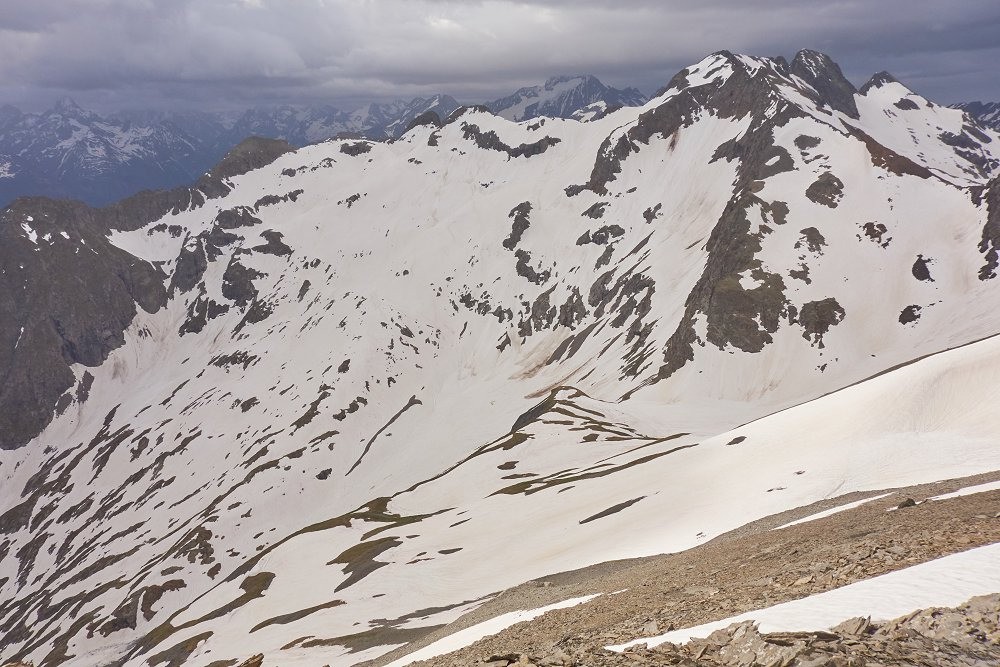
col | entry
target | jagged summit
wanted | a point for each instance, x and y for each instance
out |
(824, 75)
(824, 82)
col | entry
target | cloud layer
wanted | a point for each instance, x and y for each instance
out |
(218, 53)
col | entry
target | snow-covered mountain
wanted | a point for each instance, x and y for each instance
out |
(986, 113)
(584, 97)
(74, 153)
(392, 119)
(301, 126)
(326, 400)
(70, 152)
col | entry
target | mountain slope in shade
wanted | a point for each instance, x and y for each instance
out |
(562, 97)
(384, 381)
(986, 113)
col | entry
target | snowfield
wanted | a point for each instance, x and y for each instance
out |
(394, 379)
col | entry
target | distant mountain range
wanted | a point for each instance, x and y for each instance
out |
(987, 113)
(70, 152)
(581, 97)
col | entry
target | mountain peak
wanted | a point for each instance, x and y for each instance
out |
(554, 81)
(878, 80)
(824, 75)
(813, 57)
(249, 154)
(812, 73)
(66, 104)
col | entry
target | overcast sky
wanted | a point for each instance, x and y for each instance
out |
(213, 54)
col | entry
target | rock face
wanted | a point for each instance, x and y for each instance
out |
(53, 315)
(67, 293)
(257, 414)
(824, 75)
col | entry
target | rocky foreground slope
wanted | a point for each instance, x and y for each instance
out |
(326, 401)
(757, 566)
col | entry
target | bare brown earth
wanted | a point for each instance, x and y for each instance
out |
(750, 568)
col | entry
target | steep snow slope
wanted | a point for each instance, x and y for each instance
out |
(392, 379)
(945, 140)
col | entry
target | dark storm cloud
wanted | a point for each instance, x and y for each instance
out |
(216, 53)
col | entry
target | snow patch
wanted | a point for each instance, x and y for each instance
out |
(968, 491)
(472, 634)
(833, 510)
(944, 582)
(30, 232)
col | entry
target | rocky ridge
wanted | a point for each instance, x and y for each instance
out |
(53, 317)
